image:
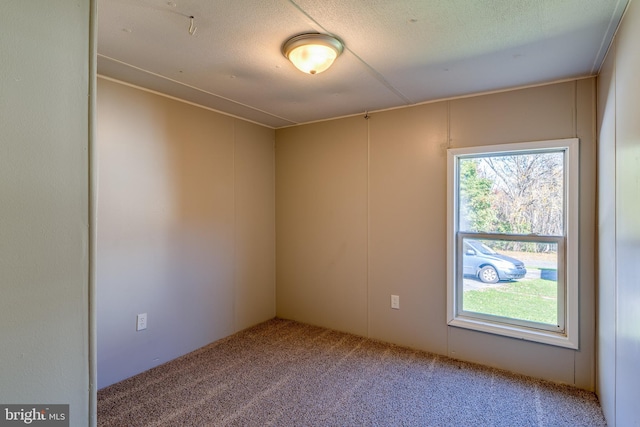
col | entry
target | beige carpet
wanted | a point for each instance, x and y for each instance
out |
(284, 373)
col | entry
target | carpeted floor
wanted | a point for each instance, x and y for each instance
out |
(284, 373)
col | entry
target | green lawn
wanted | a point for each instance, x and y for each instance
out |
(533, 299)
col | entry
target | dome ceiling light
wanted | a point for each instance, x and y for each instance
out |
(312, 53)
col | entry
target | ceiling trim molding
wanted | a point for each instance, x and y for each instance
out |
(452, 98)
(193, 88)
(612, 32)
(175, 98)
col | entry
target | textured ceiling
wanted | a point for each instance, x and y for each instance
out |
(398, 52)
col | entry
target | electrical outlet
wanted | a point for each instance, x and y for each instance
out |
(141, 322)
(395, 302)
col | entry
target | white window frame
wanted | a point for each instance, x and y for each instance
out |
(566, 334)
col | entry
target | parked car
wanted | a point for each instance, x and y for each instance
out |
(489, 266)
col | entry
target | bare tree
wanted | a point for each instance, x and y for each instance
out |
(527, 192)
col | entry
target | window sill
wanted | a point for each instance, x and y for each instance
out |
(518, 332)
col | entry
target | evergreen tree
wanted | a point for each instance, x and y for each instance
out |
(476, 213)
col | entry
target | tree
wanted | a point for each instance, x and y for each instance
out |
(476, 213)
(529, 190)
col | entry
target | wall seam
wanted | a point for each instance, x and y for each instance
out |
(92, 220)
(235, 232)
(615, 231)
(575, 109)
(275, 230)
(368, 118)
(575, 135)
(448, 103)
(596, 238)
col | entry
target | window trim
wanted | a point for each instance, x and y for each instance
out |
(570, 337)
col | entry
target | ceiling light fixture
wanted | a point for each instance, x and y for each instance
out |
(312, 53)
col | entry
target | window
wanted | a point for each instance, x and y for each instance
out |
(513, 240)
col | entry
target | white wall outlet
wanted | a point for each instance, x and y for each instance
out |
(395, 302)
(141, 322)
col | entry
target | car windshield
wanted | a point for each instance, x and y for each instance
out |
(482, 248)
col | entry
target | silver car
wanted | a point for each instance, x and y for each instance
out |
(489, 266)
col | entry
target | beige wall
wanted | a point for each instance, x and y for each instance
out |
(44, 204)
(186, 228)
(407, 211)
(619, 225)
(361, 215)
(321, 206)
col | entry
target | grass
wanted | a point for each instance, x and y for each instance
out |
(533, 299)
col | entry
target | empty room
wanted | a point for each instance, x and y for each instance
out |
(433, 221)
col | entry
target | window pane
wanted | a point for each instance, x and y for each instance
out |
(513, 194)
(512, 279)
